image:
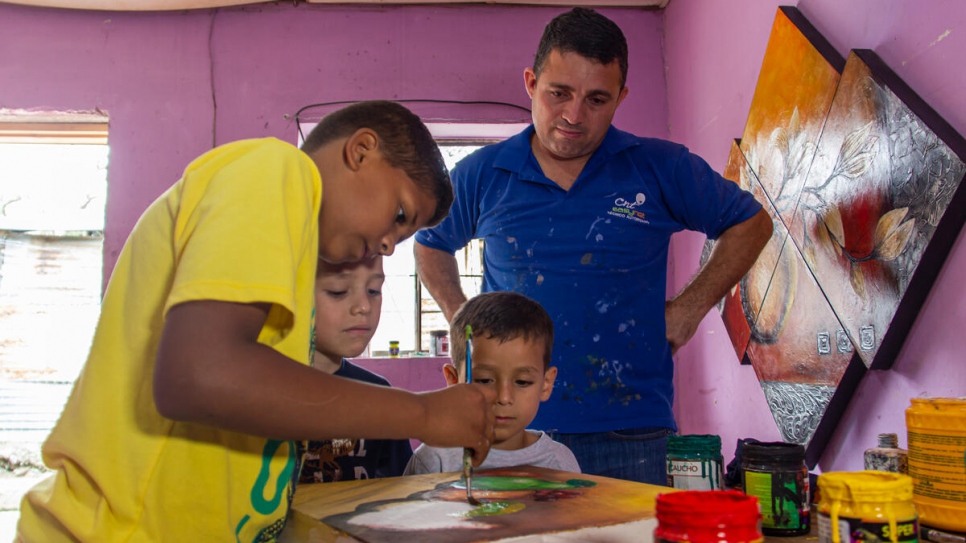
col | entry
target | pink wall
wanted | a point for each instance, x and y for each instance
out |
(174, 83)
(713, 52)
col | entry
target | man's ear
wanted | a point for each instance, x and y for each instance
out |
(622, 95)
(359, 147)
(451, 374)
(530, 81)
(549, 377)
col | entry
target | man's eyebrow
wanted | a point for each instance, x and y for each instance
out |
(594, 92)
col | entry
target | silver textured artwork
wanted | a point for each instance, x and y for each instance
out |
(797, 408)
(843, 342)
(824, 343)
(867, 338)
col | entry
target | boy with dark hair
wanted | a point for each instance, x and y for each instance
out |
(182, 424)
(512, 341)
(348, 304)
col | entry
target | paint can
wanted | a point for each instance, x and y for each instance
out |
(439, 343)
(866, 506)
(936, 430)
(775, 473)
(705, 516)
(694, 462)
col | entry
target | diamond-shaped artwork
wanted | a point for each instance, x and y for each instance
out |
(864, 184)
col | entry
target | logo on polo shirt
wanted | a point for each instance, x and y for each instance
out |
(627, 209)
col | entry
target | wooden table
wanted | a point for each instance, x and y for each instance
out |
(554, 506)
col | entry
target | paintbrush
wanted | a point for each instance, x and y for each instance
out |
(468, 453)
(937, 536)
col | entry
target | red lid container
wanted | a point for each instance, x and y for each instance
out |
(708, 516)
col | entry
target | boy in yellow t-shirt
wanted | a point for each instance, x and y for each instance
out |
(182, 424)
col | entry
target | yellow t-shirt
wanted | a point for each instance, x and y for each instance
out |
(240, 226)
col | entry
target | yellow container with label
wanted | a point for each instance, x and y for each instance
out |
(866, 506)
(937, 460)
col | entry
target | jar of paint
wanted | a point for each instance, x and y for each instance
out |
(887, 456)
(393, 349)
(694, 462)
(866, 506)
(936, 430)
(776, 474)
(439, 343)
(706, 516)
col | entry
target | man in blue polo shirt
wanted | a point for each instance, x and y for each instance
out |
(578, 215)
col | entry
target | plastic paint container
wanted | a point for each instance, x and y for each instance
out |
(705, 516)
(439, 343)
(937, 461)
(776, 474)
(866, 506)
(694, 462)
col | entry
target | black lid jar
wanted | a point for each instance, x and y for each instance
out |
(776, 474)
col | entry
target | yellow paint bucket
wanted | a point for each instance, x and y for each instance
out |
(866, 506)
(937, 460)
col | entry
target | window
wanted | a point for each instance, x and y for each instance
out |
(53, 187)
(409, 312)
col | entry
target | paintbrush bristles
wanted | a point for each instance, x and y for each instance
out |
(469, 353)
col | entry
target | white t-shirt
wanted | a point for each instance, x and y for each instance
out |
(544, 453)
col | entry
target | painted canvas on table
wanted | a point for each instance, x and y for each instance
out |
(862, 180)
(516, 502)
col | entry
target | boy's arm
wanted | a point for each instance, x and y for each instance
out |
(211, 370)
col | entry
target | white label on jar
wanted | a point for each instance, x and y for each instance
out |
(694, 474)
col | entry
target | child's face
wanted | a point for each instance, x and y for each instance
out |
(515, 369)
(348, 301)
(369, 210)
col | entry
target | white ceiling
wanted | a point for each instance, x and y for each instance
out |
(171, 5)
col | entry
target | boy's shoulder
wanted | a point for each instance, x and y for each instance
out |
(349, 370)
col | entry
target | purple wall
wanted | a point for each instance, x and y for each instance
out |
(713, 53)
(175, 82)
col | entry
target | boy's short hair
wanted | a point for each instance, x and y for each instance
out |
(587, 33)
(503, 316)
(404, 140)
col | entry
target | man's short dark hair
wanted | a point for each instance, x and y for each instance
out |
(587, 33)
(503, 316)
(404, 140)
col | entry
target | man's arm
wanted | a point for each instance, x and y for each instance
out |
(734, 253)
(211, 370)
(440, 273)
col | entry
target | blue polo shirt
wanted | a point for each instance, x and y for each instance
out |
(595, 257)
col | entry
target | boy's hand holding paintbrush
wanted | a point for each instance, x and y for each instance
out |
(474, 454)
(450, 429)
